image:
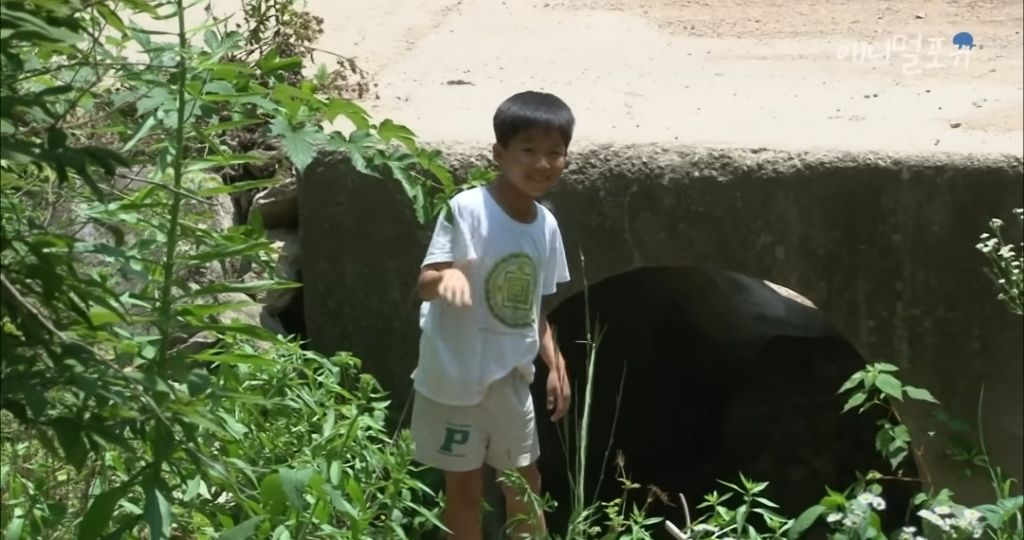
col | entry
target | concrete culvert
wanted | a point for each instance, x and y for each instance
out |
(720, 374)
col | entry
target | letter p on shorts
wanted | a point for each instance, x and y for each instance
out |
(454, 435)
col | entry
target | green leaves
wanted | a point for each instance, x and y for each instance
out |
(300, 144)
(893, 442)
(1006, 261)
(72, 440)
(293, 484)
(158, 98)
(877, 382)
(805, 521)
(919, 394)
(242, 531)
(855, 400)
(754, 517)
(14, 528)
(390, 131)
(97, 518)
(54, 27)
(1001, 514)
(157, 513)
(888, 384)
(271, 63)
(113, 362)
(288, 487)
(875, 385)
(272, 495)
(343, 107)
(412, 183)
(247, 287)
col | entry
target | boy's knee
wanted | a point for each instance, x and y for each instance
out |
(532, 474)
(464, 489)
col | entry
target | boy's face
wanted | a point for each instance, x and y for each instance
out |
(533, 160)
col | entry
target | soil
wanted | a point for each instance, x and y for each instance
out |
(749, 73)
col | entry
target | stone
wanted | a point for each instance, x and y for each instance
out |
(203, 341)
(247, 313)
(278, 206)
(881, 243)
(289, 262)
(287, 267)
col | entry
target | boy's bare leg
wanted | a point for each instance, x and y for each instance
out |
(463, 491)
(515, 505)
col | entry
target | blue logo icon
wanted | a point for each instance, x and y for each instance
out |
(963, 39)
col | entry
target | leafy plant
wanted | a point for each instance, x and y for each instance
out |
(142, 395)
(1003, 519)
(589, 519)
(874, 386)
(1005, 263)
(137, 398)
(853, 513)
(746, 520)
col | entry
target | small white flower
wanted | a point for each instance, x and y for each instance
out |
(930, 516)
(942, 510)
(853, 521)
(971, 521)
(834, 517)
(907, 533)
(996, 222)
(878, 504)
(874, 501)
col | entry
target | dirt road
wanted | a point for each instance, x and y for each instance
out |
(753, 73)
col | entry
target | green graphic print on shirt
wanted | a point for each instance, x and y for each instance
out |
(510, 289)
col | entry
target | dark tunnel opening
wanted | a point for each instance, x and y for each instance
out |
(708, 393)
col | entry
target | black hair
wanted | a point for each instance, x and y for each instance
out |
(531, 109)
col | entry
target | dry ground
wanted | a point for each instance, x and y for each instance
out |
(762, 73)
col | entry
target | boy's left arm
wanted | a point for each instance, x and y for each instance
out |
(558, 393)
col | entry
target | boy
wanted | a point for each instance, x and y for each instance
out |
(481, 283)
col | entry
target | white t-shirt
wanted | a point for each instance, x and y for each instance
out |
(509, 266)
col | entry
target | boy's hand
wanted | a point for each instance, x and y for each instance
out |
(558, 392)
(454, 288)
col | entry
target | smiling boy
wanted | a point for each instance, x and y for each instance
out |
(481, 283)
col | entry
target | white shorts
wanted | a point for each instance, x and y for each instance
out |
(499, 431)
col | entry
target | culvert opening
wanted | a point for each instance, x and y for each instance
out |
(719, 374)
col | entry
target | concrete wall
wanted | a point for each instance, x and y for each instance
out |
(883, 244)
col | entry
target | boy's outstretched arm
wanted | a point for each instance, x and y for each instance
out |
(558, 378)
(445, 281)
